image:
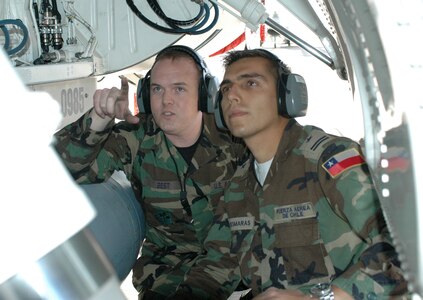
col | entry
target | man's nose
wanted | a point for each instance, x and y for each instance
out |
(167, 97)
(233, 94)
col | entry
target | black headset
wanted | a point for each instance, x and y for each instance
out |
(207, 90)
(291, 92)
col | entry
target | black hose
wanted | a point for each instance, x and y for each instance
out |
(175, 29)
(36, 12)
(44, 5)
(155, 6)
(56, 12)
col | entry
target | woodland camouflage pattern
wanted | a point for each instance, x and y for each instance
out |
(173, 238)
(333, 229)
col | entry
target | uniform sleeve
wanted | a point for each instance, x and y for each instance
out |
(374, 269)
(90, 156)
(215, 275)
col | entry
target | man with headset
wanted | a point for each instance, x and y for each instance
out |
(174, 156)
(300, 217)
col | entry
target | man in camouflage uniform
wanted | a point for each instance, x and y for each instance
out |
(176, 159)
(300, 211)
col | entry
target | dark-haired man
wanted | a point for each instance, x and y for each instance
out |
(301, 216)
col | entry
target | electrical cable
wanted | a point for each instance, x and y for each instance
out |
(182, 183)
(56, 11)
(155, 6)
(195, 30)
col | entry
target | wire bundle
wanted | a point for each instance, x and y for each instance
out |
(176, 26)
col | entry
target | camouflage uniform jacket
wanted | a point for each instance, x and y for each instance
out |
(157, 173)
(306, 225)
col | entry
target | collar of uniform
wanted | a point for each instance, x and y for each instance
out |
(151, 139)
(211, 142)
(245, 172)
(244, 169)
(286, 144)
(289, 140)
(214, 135)
(211, 139)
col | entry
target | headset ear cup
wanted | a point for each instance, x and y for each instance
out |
(218, 114)
(143, 94)
(292, 96)
(296, 96)
(140, 104)
(281, 96)
(212, 85)
(202, 93)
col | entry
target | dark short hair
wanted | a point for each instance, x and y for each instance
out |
(278, 66)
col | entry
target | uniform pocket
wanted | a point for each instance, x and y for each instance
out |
(242, 247)
(243, 230)
(304, 255)
(163, 211)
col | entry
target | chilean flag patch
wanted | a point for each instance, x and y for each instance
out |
(343, 161)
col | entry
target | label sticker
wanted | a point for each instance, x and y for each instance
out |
(241, 223)
(292, 212)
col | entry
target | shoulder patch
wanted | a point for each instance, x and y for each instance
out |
(342, 161)
(312, 147)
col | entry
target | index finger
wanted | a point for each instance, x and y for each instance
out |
(124, 87)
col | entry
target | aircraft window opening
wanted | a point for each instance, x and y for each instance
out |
(383, 148)
(385, 178)
(384, 163)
